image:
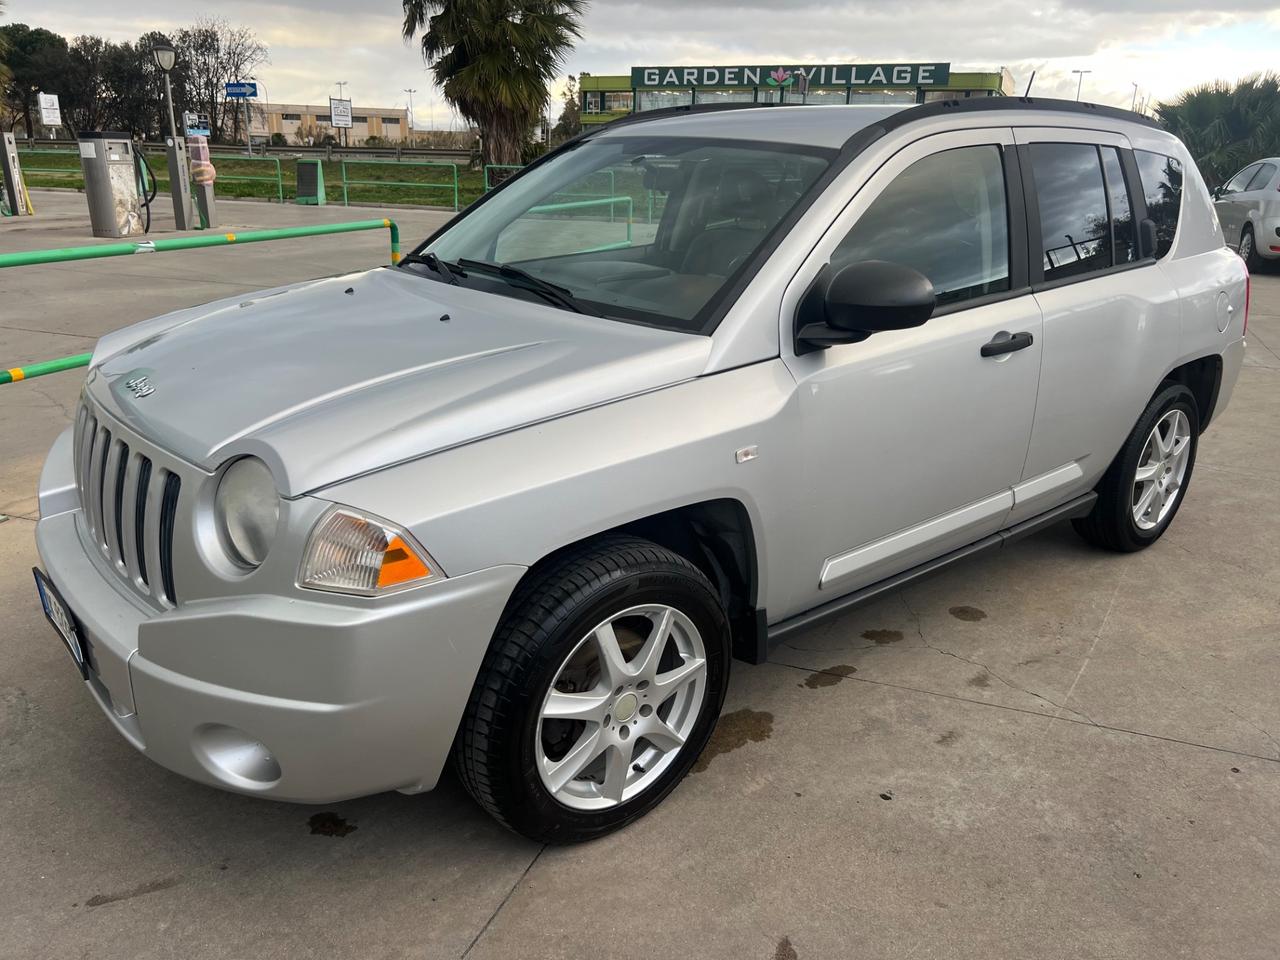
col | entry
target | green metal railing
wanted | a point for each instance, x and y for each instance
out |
(72, 170)
(278, 179)
(488, 181)
(451, 185)
(33, 257)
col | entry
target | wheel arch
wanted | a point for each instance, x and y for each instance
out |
(1203, 377)
(718, 537)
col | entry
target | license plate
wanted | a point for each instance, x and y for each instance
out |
(63, 622)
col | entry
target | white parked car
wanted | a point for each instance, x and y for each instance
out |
(682, 388)
(1249, 209)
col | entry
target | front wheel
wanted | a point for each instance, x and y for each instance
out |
(601, 687)
(1141, 491)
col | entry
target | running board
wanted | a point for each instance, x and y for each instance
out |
(1078, 507)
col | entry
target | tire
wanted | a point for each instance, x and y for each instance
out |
(1115, 522)
(512, 755)
(1248, 250)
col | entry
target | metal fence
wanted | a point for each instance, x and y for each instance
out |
(450, 186)
(277, 180)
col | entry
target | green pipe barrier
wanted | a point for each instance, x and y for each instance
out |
(33, 257)
(65, 254)
(347, 181)
(582, 204)
(41, 369)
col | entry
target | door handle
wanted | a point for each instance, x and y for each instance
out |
(1005, 342)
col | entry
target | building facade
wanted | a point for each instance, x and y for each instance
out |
(605, 98)
(390, 124)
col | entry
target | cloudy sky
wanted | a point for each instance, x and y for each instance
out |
(1164, 46)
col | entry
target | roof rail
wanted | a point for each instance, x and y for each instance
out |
(909, 115)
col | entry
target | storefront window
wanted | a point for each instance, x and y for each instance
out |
(661, 99)
(739, 95)
(618, 102)
(883, 96)
(823, 95)
(591, 101)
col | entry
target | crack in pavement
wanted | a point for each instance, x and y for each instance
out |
(498, 909)
(978, 663)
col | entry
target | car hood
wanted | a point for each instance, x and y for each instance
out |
(332, 378)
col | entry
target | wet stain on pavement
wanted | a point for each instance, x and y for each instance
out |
(329, 824)
(969, 614)
(785, 951)
(735, 730)
(948, 738)
(882, 637)
(829, 677)
(981, 680)
(142, 889)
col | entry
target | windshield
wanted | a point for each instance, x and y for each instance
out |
(646, 229)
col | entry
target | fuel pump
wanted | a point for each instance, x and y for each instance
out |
(111, 177)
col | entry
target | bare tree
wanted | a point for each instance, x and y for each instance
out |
(215, 54)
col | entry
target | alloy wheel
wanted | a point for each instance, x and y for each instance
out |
(1162, 469)
(621, 707)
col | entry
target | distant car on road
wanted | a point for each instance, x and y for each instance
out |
(1248, 208)
(674, 393)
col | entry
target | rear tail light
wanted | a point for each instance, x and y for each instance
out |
(1248, 295)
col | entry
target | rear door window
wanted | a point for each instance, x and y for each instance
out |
(1075, 230)
(1241, 179)
(1262, 178)
(947, 216)
(1162, 186)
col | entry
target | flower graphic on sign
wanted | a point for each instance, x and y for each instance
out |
(780, 78)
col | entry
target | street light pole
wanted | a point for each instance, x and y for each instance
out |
(410, 91)
(1134, 106)
(1080, 82)
(165, 56)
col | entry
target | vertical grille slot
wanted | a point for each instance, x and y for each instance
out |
(99, 478)
(122, 462)
(168, 515)
(140, 516)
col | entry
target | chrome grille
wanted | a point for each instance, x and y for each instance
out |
(129, 505)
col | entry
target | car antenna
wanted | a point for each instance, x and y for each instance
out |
(1029, 83)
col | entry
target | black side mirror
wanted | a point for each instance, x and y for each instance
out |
(1147, 239)
(848, 304)
(1217, 193)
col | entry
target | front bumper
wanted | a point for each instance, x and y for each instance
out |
(291, 698)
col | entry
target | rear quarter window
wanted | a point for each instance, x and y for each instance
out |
(1162, 185)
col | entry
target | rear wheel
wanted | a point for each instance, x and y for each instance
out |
(1141, 491)
(1248, 250)
(600, 689)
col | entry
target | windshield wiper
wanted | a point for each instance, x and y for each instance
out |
(527, 281)
(433, 262)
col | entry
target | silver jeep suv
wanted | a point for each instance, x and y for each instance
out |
(680, 389)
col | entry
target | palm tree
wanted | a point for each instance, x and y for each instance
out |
(1224, 126)
(494, 58)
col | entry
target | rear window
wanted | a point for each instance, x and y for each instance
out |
(1162, 184)
(1075, 230)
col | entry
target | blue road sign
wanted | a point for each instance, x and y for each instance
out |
(241, 91)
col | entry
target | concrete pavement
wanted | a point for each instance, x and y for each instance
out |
(1050, 751)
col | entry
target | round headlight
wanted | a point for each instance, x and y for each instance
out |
(247, 508)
